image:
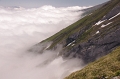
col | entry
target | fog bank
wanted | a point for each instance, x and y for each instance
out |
(22, 28)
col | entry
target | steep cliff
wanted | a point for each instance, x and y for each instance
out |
(93, 36)
(90, 38)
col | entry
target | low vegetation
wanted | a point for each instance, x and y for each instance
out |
(103, 68)
(86, 22)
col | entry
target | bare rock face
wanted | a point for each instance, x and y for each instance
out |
(112, 13)
(96, 46)
(87, 39)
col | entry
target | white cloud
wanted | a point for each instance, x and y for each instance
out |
(20, 29)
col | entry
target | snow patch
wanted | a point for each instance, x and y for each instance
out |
(71, 43)
(106, 25)
(99, 22)
(104, 16)
(47, 46)
(97, 32)
(90, 14)
(114, 16)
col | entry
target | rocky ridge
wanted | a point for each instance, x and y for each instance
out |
(93, 36)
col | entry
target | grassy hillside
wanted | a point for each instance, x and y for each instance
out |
(104, 68)
(82, 40)
(87, 22)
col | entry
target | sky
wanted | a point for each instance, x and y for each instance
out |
(56, 3)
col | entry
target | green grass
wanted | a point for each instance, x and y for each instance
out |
(107, 66)
(86, 22)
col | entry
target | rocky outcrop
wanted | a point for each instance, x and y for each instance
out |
(96, 47)
(87, 39)
(112, 13)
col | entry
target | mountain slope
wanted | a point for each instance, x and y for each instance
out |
(91, 37)
(104, 68)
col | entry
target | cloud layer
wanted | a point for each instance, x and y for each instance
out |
(20, 29)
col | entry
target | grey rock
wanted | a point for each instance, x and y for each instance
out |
(95, 48)
(118, 77)
(112, 13)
